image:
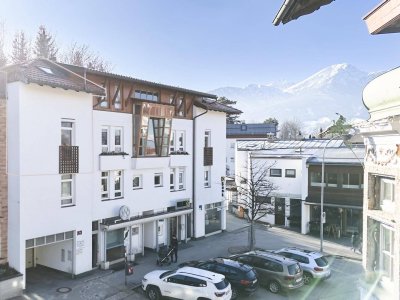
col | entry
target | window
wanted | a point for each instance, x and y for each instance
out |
(118, 140)
(118, 99)
(104, 185)
(113, 135)
(207, 176)
(117, 184)
(181, 179)
(290, 173)
(66, 133)
(207, 138)
(316, 179)
(387, 250)
(181, 140)
(154, 137)
(172, 181)
(275, 172)
(103, 102)
(66, 189)
(158, 179)
(137, 182)
(387, 192)
(352, 181)
(180, 107)
(104, 140)
(172, 142)
(146, 95)
(332, 179)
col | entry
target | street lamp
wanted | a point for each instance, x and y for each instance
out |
(322, 220)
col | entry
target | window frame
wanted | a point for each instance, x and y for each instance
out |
(172, 180)
(290, 176)
(105, 176)
(207, 138)
(105, 147)
(384, 183)
(70, 197)
(160, 175)
(69, 129)
(181, 179)
(346, 178)
(120, 190)
(275, 175)
(207, 177)
(140, 185)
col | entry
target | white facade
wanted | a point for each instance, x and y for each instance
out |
(88, 227)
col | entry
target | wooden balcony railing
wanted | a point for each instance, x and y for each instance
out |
(68, 159)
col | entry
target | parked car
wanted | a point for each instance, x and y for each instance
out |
(186, 283)
(243, 278)
(314, 264)
(274, 271)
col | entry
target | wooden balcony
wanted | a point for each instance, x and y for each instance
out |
(208, 156)
(68, 159)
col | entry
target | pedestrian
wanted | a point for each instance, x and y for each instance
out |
(174, 245)
(355, 241)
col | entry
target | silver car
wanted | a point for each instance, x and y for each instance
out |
(314, 264)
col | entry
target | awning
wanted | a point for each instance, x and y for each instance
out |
(146, 220)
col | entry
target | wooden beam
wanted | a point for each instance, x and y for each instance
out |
(129, 94)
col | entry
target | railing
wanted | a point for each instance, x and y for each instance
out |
(68, 159)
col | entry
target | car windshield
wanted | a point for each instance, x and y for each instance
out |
(163, 275)
(321, 261)
(221, 285)
(294, 269)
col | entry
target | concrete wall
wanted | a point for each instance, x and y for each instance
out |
(3, 183)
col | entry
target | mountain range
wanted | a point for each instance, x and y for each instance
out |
(313, 101)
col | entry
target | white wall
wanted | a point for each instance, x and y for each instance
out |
(50, 256)
(35, 182)
(216, 122)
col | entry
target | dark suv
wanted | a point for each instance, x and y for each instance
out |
(274, 271)
(243, 278)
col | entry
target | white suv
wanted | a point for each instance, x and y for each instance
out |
(186, 283)
(314, 264)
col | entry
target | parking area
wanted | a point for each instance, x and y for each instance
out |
(110, 284)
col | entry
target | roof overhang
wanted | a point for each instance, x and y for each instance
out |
(293, 9)
(384, 18)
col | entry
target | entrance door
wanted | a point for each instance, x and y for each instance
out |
(94, 250)
(173, 227)
(188, 226)
(279, 211)
(29, 258)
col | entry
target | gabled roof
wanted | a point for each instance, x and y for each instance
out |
(48, 73)
(82, 70)
(293, 9)
(210, 104)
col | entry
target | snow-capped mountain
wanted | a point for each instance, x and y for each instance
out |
(313, 101)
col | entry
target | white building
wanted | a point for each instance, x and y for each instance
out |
(293, 202)
(102, 165)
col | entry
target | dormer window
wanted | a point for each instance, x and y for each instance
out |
(46, 70)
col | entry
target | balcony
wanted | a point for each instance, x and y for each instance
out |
(177, 159)
(114, 161)
(150, 162)
(68, 159)
(208, 156)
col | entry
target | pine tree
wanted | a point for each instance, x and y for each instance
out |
(20, 48)
(45, 45)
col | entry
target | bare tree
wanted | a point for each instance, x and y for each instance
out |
(20, 48)
(291, 130)
(254, 189)
(81, 55)
(45, 45)
(3, 57)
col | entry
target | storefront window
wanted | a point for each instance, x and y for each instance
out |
(115, 244)
(213, 217)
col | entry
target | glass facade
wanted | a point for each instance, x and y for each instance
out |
(212, 217)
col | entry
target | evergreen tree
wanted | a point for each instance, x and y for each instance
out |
(20, 48)
(230, 119)
(45, 45)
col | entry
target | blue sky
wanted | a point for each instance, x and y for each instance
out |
(206, 44)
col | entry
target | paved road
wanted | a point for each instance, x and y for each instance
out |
(109, 284)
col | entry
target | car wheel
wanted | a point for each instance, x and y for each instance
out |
(274, 286)
(153, 293)
(307, 277)
(235, 293)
